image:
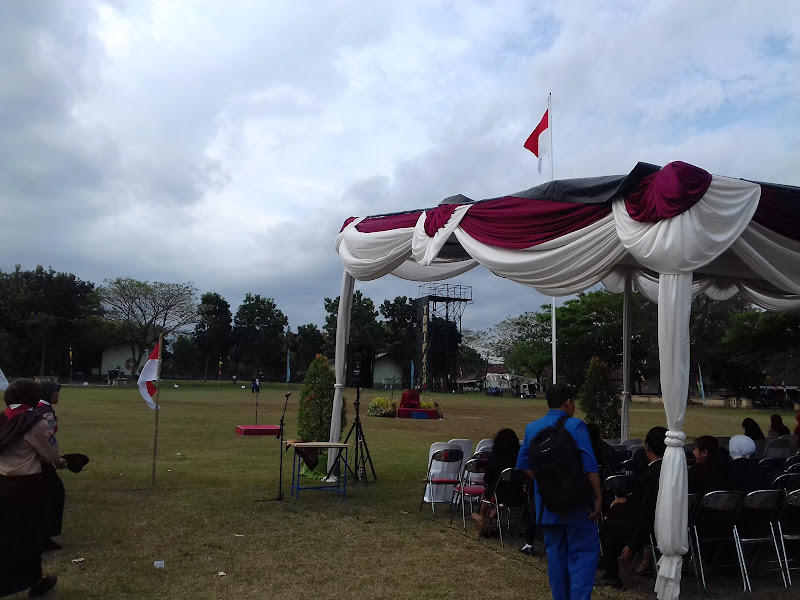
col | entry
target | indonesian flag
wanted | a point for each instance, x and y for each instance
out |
(3, 381)
(537, 142)
(148, 376)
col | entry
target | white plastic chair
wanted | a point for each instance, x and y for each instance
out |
(485, 445)
(441, 493)
(465, 445)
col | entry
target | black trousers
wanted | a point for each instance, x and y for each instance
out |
(616, 533)
(21, 536)
(53, 489)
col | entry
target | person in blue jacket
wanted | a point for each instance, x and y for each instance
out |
(571, 539)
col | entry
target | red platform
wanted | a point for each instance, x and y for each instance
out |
(258, 430)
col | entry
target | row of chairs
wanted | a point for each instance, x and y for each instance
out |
(770, 447)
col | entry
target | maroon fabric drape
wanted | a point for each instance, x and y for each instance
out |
(779, 210)
(376, 224)
(673, 190)
(517, 223)
(435, 218)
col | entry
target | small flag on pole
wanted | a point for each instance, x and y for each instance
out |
(3, 381)
(220, 365)
(538, 143)
(288, 370)
(148, 376)
(70, 356)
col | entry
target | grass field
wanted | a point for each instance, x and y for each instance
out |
(206, 514)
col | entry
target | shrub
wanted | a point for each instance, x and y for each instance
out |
(599, 399)
(381, 407)
(316, 402)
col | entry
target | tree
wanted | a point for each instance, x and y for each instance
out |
(187, 358)
(42, 313)
(599, 399)
(309, 343)
(258, 334)
(364, 325)
(400, 329)
(316, 402)
(213, 330)
(147, 309)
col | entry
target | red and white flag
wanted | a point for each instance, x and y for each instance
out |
(148, 376)
(538, 142)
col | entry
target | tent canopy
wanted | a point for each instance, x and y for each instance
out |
(675, 232)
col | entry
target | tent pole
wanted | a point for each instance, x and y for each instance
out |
(626, 358)
(342, 336)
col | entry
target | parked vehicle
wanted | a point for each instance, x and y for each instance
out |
(527, 390)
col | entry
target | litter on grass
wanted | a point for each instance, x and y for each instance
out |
(158, 564)
(78, 560)
(222, 574)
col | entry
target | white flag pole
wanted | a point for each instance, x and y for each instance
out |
(553, 309)
(158, 388)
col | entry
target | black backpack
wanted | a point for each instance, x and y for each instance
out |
(558, 468)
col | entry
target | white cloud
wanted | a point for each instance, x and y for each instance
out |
(226, 143)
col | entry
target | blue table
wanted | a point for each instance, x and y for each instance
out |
(339, 486)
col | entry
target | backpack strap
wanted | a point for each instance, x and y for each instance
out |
(561, 423)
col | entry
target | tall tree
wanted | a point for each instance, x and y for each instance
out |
(258, 334)
(400, 329)
(364, 325)
(41, 312)
(213, 330)
(309, 343)
(147, 309)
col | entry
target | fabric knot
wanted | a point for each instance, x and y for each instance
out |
(338, 386)
(675, 439)
(436, 218)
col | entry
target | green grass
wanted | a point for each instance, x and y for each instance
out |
(206, 514)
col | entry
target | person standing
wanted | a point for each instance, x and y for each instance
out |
(53, 514)
(26, 441)
(571, 537)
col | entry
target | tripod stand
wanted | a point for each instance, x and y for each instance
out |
(361, 451)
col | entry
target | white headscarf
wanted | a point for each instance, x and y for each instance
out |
(741, 446)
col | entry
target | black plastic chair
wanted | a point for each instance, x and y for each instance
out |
(788, 482)
(755, 527)
(713, 525)
(510, 492)
(789, 529)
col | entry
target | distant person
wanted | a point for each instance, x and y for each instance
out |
(53, 514)
(255, 386)
(571, 537)
(743, 473)
(26, 441)
(776, 426)
(233, 378)
(752, 430)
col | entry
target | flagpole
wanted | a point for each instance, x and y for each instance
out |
(552, 298)
(158, 389)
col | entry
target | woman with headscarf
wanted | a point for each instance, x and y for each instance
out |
(53, 513)
(776, 426)
(752, 430)
(744, 473)
(26, 441)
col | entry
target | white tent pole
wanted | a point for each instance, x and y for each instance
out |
(342, 336)
(553, 336)
(626, 358)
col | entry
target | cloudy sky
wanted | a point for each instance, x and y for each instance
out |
(225, 143)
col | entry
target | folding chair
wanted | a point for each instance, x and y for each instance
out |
(465, 445)
(484, 445)
(467, 489)
(632, 442)
(791, 461)
(772, 466)
(444, 469)
(754, 526)
(789, 529)
(781, 447)
(792, 468)
(713, 525)
(617, 486)
(788, 482)
(509, 492)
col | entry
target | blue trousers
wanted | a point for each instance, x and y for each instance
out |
(572, 556)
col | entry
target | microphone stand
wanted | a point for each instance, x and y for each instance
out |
(279, 497)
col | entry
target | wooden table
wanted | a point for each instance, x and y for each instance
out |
(339, 486)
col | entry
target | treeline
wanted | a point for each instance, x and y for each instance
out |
(734, 345)
(47, 316)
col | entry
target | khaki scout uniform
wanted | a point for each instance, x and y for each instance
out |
(25, 456)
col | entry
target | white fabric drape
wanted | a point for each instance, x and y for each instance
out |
(774, 257)
(671, 525)
(342, 336)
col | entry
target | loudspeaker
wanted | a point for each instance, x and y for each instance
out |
(360, 359)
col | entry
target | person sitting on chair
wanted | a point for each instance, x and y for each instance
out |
(708, 472)
(502, 456)
(776, 426)
(743, 473)
(628, 534)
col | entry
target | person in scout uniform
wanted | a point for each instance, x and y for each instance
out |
(53, 513)
(26, 441)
